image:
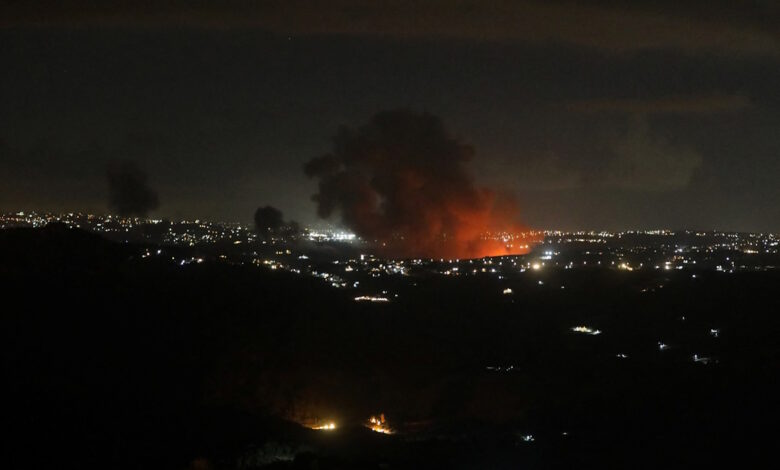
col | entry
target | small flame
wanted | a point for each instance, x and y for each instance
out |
(325, 426)
(379, 424)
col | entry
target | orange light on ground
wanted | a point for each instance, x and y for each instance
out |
(379, 424)
(324, 427)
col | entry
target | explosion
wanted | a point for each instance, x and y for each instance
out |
(401, 180)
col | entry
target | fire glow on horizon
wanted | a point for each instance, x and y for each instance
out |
(403, 182)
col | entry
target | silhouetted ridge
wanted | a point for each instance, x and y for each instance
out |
(57, 246)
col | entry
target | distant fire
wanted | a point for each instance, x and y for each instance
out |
(464, 245)
(369, 298)
(379, 424)
(586, 330)
(329, 426)
(402, 181)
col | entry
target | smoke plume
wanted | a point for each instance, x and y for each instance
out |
(129, 193)
(401, 180)
(269, 221)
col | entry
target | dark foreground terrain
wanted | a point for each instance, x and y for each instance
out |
(113, 360)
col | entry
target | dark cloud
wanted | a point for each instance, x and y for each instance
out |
(722, 27)
(648, 162)
(402, 180)
(129, 193)
(636, 158)
(223, 118)
(698, 104)
(47, 175)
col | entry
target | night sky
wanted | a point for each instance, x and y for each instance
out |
(596, 115)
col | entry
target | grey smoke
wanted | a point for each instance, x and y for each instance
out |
(129, 193)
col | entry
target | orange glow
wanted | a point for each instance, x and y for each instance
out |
(484, 224)
(379, 424)
(402, 182)
(466, 244)
(330, 426)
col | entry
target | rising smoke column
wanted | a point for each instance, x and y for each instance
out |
(402, 180)
(129, 193)
(269, 221)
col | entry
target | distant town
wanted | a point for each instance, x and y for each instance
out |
(578, 304)
(660, 249)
